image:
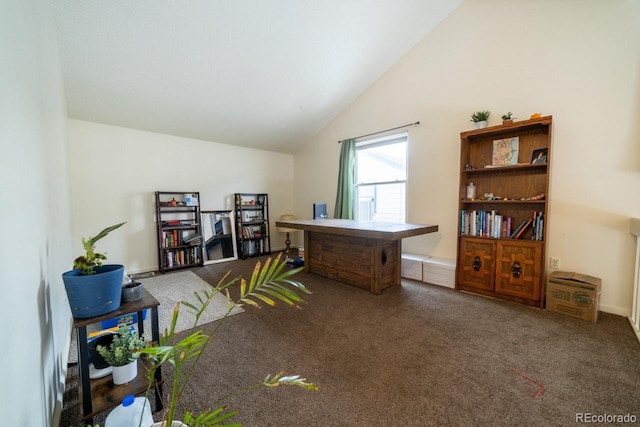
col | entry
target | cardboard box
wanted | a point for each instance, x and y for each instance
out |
(574, 294)
(439, 271)
(411, 266)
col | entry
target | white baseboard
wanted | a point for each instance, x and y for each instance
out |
(624, 312)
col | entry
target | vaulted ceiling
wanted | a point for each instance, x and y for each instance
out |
(263, 74)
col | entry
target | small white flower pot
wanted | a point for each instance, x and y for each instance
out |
(124, 374)
(481, 125)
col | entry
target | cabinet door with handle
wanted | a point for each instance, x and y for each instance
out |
(476, 263)
(518, 271)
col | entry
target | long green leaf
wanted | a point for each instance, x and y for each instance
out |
(210, 418)
(279, 379)
(92, 241)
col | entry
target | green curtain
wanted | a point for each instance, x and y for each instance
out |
(346, 181)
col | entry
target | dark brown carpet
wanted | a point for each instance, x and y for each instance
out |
(417, 355)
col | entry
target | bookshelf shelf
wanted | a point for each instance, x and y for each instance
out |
(503, 202)
(179, 230)
(252, 224)
(494, 259)
(503, 169)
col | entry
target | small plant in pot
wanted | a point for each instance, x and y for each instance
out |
(507, 119)
(480, 119)
(92, 288)
(122, 354)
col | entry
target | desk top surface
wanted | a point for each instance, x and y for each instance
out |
(369, 229)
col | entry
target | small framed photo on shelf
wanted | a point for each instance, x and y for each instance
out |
(539, 156)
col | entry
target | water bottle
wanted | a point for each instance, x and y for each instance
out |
(128, 413)
(471, 191)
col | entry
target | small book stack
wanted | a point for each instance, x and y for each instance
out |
(193, 239)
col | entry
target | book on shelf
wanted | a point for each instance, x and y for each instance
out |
(517, 229)
(538, 226)
(192, 239)
(177, 222)
(523, 229)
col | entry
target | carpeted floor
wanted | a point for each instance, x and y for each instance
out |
(163, 288)
(416, 355)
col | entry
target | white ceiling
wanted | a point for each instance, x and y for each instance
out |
(254, 73)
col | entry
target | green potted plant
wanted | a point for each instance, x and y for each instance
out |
(507, 119)
(269, 283)
(122, 354)
(480, 119)
(92, 288)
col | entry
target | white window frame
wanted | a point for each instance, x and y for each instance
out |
(401, 137)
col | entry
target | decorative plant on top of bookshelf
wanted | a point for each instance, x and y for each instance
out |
(507, 118)
(92, 288)
(268, 283)
(481, 118)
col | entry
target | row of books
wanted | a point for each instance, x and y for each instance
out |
(253, 247)
(252, 231)
(176, 238)
(192, 239)
(491, 224)
(176, 258)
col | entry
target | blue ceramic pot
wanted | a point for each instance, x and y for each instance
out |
(95, 294)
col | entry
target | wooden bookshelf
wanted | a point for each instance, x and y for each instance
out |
(252, 224)
(491, 261)
(179, 230)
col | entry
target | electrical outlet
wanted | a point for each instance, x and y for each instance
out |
(554, 263)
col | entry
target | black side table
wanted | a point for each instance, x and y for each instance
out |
(101, 394)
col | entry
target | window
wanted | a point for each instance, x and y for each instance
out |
(381, 178)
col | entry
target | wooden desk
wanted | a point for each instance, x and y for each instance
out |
(101, 394)
(366, 254)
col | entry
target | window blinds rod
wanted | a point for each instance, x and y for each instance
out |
(382, 131)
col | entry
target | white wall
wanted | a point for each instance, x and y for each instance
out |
(576, 60)
(34, 219)
(115, 172)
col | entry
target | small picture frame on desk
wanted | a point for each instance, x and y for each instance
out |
(539, 156)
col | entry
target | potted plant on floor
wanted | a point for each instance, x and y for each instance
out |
(269, 283)
(122, 354)
(92, 288)
(480, 119)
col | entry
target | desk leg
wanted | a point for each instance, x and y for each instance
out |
(83, 372)
(388, 256)
(307, 248)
